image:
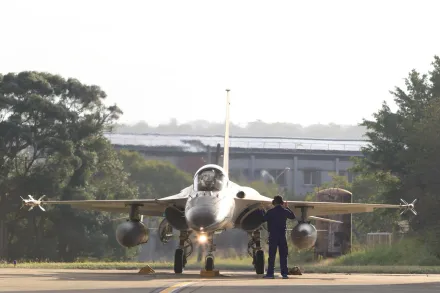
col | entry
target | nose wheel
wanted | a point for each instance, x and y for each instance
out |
(209, 263)
(209, 260)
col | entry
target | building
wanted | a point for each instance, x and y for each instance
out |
(296, 164)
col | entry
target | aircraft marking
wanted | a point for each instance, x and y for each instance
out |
(177, 287)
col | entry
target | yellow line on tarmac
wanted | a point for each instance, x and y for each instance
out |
(176, 286)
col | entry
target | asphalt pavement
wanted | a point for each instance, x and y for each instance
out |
(96, 281)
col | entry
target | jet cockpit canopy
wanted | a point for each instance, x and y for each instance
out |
(210, 179)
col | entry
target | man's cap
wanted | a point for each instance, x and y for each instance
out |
(278, 199)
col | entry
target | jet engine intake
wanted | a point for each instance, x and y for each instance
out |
(176, 218)
(250, 218)
(132, 233)
(304, 235)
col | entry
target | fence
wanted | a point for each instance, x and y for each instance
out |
(299, 144)
(379, 238)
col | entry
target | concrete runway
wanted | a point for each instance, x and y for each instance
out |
(94, 281)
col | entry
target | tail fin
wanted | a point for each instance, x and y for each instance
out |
(226, 144)
(217, 155)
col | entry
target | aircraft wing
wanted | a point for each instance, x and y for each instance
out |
(334, 208)
(147, 207)
(337, 208)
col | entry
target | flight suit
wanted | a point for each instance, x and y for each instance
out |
(276, 225)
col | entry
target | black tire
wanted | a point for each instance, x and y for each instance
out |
(259, 262)
(209, 263)
(178, 261)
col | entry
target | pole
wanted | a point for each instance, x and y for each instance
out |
(278, 176)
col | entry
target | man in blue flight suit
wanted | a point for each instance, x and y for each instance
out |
(276, 225)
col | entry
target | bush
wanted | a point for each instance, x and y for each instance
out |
(410, 252)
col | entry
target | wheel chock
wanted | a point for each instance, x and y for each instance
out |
(295, 271)
(146, 270)
(209, 274)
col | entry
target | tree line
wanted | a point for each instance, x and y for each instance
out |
(256, 128)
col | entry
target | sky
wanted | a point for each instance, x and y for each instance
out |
(291, 61)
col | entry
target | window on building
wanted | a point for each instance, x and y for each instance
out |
(312, 177)
(350, 175)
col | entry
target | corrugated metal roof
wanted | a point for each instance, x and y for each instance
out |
(198, 143)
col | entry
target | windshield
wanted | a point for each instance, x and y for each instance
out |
(209, 180)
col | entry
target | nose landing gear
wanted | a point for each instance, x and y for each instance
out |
(209, 261)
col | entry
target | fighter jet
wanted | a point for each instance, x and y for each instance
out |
(211, 205)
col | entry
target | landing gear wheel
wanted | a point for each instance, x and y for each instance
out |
(209, 263)
(259, 262)
(178, 261)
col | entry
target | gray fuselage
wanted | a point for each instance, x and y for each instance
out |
(208, 211)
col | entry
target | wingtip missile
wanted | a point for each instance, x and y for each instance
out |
(408, 206)
(31, 202)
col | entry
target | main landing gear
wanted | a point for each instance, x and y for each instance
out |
(256, 252)
(182, 252)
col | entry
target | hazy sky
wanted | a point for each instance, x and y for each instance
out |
(291, 61)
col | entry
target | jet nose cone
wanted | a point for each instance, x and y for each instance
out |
(201, 217)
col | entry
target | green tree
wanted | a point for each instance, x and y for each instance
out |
(390, 132)
(405, 143)
(51, 143)
(154, 178)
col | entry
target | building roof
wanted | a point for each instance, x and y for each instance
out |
(199, 143)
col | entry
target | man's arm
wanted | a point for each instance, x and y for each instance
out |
(288, 212)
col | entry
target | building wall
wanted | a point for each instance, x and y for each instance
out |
(306, 171)
(303, 176)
